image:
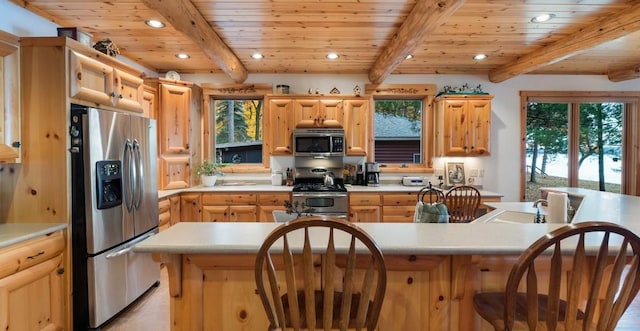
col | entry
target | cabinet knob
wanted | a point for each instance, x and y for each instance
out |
(15, 144)
(60, 271)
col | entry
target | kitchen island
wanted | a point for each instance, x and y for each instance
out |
(433, 269)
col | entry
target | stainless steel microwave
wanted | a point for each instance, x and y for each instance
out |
(318, 142)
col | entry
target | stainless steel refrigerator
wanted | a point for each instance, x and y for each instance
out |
(114, 206)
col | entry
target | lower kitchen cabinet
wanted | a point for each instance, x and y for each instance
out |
(364, 207)
(398, 207)
(32, 278)
(168, 211)
(229, 207)
(267, 203)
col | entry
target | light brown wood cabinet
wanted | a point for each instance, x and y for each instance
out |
(269, 202)
(9, 99)
(284, 114)
(364, 207)
(32, 283)
(179, 134)
(229, 207)
(190, 207)
(398, 207)
(463, 125)
(95, 81)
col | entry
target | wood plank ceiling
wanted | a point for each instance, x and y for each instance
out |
(371, 36)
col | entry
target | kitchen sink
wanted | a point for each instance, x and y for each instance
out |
(509, 216)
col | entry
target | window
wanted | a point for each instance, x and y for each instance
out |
(402, 116)
(397, 131)
(238, 130)
(578, 142)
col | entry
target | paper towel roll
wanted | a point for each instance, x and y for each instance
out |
(557, 207)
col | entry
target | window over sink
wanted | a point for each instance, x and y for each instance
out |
(238, 130)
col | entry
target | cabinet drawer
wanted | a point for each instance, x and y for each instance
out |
(398, 214)
(399, 199)
(229, 199)
(367, 199)
(31, 252)
(273, 199)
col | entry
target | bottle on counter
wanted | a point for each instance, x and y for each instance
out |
(289, 177)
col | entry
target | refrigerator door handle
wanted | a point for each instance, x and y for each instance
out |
(139, 184)
(128, 183)
(129, 246)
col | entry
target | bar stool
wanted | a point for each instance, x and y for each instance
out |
(597, 287)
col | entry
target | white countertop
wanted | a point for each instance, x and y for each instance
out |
(13, 233)
(408, 238)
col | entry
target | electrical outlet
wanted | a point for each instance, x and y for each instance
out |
(473, 173)
(439, 172)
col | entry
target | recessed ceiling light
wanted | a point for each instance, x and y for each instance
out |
(257, 56)
(332, 56)
(408, 57)
(480, 56)
(154, 24)
(183, 56)
(542, 18)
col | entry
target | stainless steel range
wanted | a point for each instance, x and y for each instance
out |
(318, 176)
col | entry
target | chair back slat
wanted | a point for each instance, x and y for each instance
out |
(555, 276)
(309, 283)
(348, 286)
(607, 303)
(575, 285)
(290, 279)
(462, 203)
(277, 301)
(329, 289)
(532, 297)
(596, 280)
(625, 294)
(343, 292)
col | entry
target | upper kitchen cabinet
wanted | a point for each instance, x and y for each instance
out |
(280, 126)
(179, 108)
(318, 113)
(463, 125)
(358, 125)
(9, 99)
(284, 114)
(93, 80)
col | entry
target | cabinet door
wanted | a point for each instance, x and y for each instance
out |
(364, 213)
(330, 114)
(174, 171)
(175, 209)
(356, 126)
(190, 208)
(456, 136)
(479, 126)
(305, 113)
(215, 213)
(33, 299)
(174, 119)
(280, 127)
(243, 214)
(9, 101)
(90, 80)
(129, 91)
(149, 102)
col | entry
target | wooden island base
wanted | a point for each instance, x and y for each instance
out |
(218, 292)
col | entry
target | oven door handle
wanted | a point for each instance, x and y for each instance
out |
(318, 195)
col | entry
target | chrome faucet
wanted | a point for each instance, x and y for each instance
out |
(540, 201)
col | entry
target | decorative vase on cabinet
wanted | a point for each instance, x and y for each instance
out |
(208, 181)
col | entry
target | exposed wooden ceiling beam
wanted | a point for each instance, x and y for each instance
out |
(186, 18)
(625, 74)
(426, 16)
(606, 29)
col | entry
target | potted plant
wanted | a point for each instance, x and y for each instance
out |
(209, 172)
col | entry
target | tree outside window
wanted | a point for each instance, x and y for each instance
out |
(238, 130)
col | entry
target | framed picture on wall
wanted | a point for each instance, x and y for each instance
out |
(454, 174)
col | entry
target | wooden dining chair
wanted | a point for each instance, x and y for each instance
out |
(586, 287)
(429, 194)
(462, 202)
(318, 272)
